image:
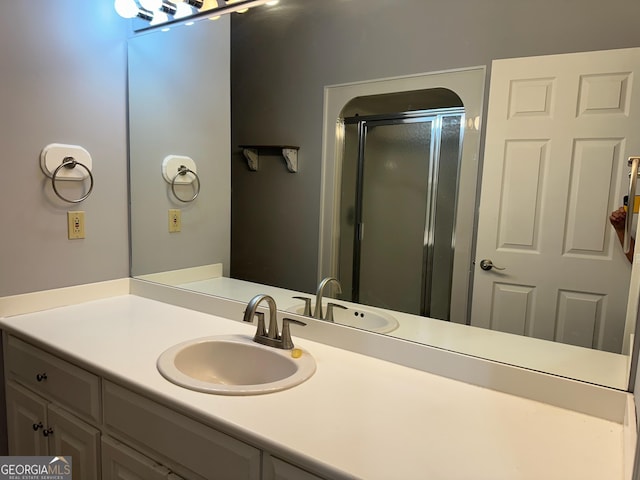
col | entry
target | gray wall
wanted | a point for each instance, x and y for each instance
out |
(62, 80)
(283, 57)
(179, 104)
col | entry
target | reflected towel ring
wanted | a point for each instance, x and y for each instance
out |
(182, 170)
(70, 162)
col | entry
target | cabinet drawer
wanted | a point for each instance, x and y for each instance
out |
(201, 449)
(119, 462)
(53, 378)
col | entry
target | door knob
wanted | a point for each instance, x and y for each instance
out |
(487, 264)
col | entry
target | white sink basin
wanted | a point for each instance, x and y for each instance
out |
(356, 316)
(234, 365)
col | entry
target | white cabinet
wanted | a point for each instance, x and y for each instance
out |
(177, 438)
(71, 436)
(37, 427)
(112, 433)
(53, 378)
(120, 462)
(41, 391)
(26, 420)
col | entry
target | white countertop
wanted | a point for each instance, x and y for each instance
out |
(358, 415)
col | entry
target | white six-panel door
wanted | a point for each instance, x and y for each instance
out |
(559, 131)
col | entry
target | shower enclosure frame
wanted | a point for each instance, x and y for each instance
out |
(435, 118)
(468, 84)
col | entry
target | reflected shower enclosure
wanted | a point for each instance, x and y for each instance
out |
(397, 209)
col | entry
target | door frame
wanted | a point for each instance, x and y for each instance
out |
(468, 84)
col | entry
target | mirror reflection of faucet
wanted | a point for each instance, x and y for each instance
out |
(317, 313)
(330, 307)
(270, 336)
(317, 308)
(351, 315)
(307, 305)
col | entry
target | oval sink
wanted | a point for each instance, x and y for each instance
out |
(374, 321)
(234, 365)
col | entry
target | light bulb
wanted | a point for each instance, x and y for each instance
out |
(183, 10)
(273, 2)
(151, 5)
(126, 8)
(158, 18)
(209, 4)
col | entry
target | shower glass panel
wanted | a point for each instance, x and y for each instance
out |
(399, 185)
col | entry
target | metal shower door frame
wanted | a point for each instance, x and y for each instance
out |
(364, 124)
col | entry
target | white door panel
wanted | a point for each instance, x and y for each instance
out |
(559, 131)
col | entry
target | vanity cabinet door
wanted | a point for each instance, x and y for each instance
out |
(70, 436)
(26, 418)
(36, 427)
(120, 462)
(276, 469)
(176, 438)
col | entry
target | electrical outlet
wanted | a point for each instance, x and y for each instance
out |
(175, 220)
(75, 225)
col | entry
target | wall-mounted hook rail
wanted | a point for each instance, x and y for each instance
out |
(289, 152)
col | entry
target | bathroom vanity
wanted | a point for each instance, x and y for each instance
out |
(82, 379)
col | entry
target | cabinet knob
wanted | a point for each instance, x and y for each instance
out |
(47, 432)
(41, 377)
(37, 426)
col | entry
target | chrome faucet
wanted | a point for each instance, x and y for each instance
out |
(271, 337)
(317, 312)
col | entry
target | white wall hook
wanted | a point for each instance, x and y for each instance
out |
(55, 154)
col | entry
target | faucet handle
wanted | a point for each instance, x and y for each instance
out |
(330, 306)
(287, 343)
(307, 305)
(261, 330)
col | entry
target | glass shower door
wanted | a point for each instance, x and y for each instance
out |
(397, 160)
(399, 215)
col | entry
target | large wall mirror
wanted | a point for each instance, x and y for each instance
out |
(275, 148)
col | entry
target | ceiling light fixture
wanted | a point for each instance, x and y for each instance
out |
(183, 10)
(131, 9)
(166, 13)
